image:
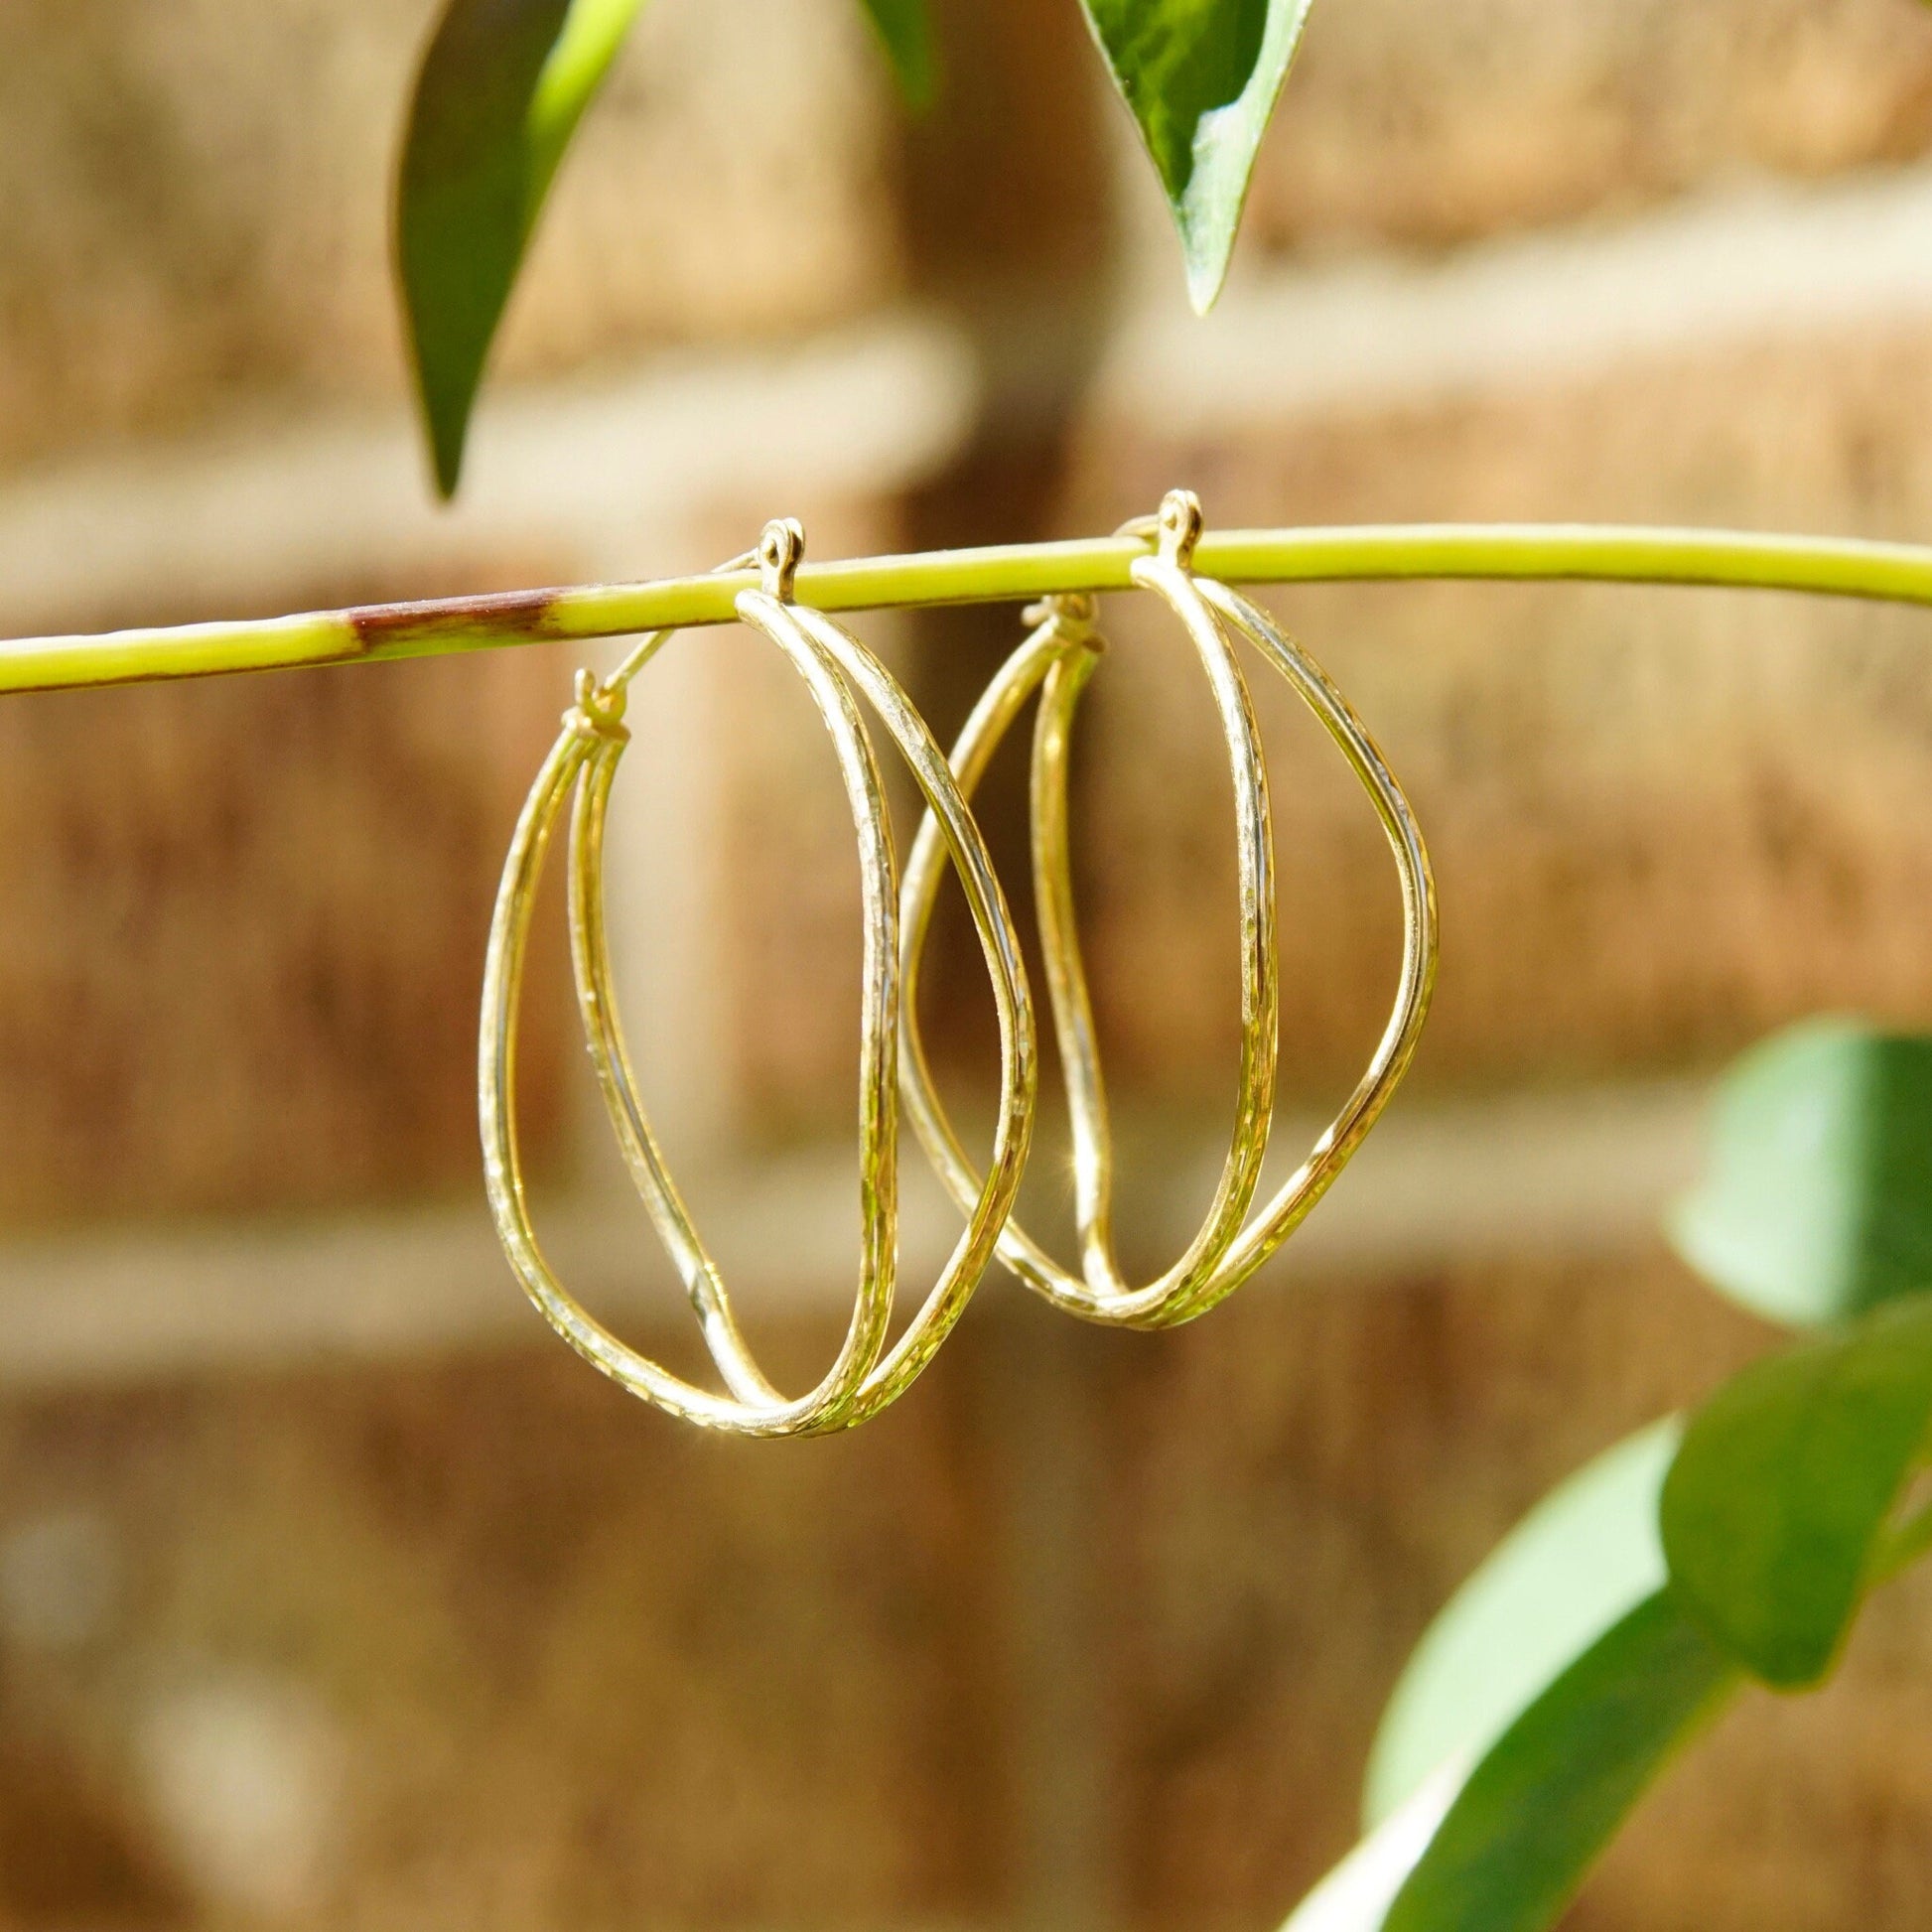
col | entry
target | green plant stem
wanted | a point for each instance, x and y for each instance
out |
(1899, 572)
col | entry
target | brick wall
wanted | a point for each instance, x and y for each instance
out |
(1092, 1630)
(1417, 125)
(198, 199)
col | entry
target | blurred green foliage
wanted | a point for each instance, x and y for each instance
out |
(1690, 1560)
(505, 82)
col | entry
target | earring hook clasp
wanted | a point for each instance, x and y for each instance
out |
(780, 551)
(1175, 529)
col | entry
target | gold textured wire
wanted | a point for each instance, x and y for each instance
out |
(866, 1375)
(1058, 659)
(1055, 661)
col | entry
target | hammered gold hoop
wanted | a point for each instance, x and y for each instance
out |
(866, 1375)
(1058, 659)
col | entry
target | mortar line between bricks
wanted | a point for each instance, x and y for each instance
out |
(1581, 1172)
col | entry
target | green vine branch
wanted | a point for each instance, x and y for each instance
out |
(1897, 573)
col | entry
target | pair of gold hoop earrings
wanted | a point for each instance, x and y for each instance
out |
(1055, 661)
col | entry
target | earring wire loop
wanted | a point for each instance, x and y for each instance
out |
(866, 1375)
(1059, 659)
(846, 682)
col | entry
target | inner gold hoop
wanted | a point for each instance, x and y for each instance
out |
(866, 1376)
(1058, 659)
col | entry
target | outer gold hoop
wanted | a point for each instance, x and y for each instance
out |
(1058, 659)
(866, 1375)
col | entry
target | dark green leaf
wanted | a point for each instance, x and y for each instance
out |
(1575, 1563)
(1776, 1506)
(1817, 1202)
(503, 87)
(1356, 1895)
(1552, 1792)
(905, 27)
(1201, 77)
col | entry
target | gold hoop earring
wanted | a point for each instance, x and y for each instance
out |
(866, 1375)
(1058, 659)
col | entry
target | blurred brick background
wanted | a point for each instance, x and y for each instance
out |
(330, 1590)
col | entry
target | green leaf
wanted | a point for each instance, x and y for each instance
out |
(1356, 1895)
(1550, 1794)
(1201, 77)
(905, 29)
(1577, 1563)
(1576, 1567)
(1776, 1510)
(503, 87)
(1816, 1203)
